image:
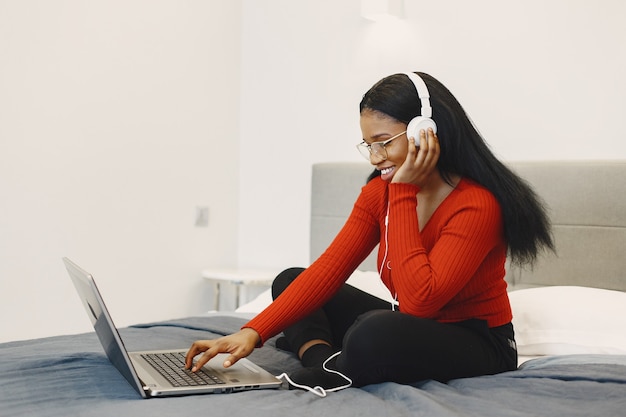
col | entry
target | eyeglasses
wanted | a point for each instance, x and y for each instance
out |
(376, 149)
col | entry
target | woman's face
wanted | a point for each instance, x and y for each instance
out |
(378, 127)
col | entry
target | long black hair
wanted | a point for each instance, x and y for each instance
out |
(464, 152)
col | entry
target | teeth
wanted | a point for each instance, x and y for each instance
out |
(385, 171)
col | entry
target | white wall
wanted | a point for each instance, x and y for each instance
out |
(117, 118)
(112, 113)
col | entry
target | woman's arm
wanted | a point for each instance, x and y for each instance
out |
(313, 287)
(328, 273)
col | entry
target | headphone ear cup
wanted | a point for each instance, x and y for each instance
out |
(419, 123)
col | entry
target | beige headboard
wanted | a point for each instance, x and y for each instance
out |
(586, 202)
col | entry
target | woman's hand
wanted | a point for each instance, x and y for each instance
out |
(239, 345)
(420, 161)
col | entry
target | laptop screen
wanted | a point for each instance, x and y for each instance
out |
(103, 324)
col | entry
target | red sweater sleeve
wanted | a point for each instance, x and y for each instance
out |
(323, 278)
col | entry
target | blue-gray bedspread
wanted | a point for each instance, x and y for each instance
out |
(71, 376)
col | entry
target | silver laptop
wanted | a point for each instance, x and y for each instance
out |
(160, 373)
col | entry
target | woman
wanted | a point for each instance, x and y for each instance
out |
(445, 212)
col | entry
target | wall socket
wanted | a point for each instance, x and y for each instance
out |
(202, 216)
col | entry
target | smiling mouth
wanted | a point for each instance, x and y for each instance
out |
(386, 171)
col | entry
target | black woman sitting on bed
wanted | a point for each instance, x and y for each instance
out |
(445, 212)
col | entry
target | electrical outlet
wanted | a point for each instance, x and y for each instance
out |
(202, 216)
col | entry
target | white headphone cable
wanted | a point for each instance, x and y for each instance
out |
(394, 300)
(318, 390)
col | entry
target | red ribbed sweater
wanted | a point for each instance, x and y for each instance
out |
(452, 270)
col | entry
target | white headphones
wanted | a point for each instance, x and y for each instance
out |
(423, 121)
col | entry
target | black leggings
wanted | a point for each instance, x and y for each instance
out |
(378, 344)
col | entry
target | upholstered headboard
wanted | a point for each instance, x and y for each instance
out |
(586, 202)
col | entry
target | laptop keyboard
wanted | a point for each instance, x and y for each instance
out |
(172, 367)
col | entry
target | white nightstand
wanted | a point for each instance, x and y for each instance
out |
(239, 278)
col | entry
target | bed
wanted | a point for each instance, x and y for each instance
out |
(569, 318)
